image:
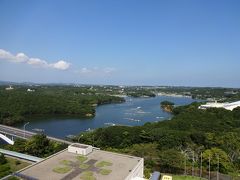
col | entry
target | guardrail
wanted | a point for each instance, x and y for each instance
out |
(20, 155)
(21, 133)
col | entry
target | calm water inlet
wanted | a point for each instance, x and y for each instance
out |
(133, 112)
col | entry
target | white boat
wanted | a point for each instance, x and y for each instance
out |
(38, 130)
(131, 119)
(110, 124)
(159, 117)
(89, 129)
(70, 136)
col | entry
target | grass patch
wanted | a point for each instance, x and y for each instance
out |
(234, 175)
(84, 166)
(66, 162)
(103, 163)
(81, 158)
(62, 170)
(187, 178)
(87, 175)
(105, 171)
(13, 178)
(4, 170)
(16, 164)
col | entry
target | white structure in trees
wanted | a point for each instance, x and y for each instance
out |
(228, 106)
(9, 88)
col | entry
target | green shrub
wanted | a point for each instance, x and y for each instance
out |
(2, 159)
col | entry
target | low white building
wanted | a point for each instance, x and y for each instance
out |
(82, 149)
(30, 90)
(231, 106)
(9, 88)
(228, 106)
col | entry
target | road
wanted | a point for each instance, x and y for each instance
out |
(25, 134)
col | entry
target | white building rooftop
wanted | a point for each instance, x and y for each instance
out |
(98, 164)
(228, 106)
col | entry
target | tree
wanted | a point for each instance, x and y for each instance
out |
(4, 166)
(2, 159)
(167, 103)
(230, 143)
(39, 146)
(216, 156)
(145, 136)
(167, 106)
(19, 146)
(171, 161)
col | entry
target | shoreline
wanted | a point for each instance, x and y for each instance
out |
(173, 95)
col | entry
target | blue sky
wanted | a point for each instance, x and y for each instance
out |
(132, 42)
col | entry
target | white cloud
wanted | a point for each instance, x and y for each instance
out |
(109, 70)
(85, 70)
(22, 58)
(37, 62)
(96, 71)
(60, 65)
(63, 65)
(5, 55)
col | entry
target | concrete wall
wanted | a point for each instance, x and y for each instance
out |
(82, 151)
(137, 171)
(89, 150)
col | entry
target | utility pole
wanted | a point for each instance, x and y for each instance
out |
(201, 167)
(193, 164)
(24, 127)
(80, 137)
(93, 140)
(209, 170)
(185, 166)
(218, 168)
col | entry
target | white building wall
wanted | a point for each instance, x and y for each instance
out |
(89, 150)
(137, 171)
(77, 150)
(228, 106)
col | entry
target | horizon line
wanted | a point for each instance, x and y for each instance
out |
(2, 82)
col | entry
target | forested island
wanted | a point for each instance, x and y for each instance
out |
(21, 102)
(167, 106)
(167, 145)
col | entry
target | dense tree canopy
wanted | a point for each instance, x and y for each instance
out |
(17, 104)
(2, 159)
(38, 145)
